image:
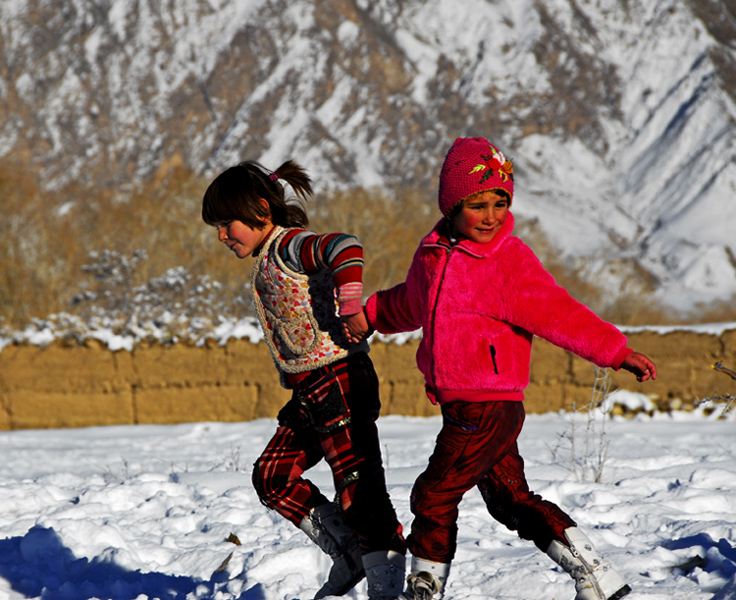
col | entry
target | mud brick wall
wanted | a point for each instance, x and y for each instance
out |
(63, 385)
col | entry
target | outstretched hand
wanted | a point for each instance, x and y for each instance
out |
(356, 327)
(640, 366)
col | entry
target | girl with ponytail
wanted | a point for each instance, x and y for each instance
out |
(307, 289)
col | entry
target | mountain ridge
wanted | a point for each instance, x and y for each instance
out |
(619, 115)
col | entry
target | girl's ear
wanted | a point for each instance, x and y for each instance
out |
(267, 219)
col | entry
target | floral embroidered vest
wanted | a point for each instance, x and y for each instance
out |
(298, 313)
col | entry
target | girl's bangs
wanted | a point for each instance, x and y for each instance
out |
(217, 209)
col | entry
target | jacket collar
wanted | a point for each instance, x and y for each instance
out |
(438, 238)
(271, 234)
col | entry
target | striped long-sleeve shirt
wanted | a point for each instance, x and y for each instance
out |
(306, 252)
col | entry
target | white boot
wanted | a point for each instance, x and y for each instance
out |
(427, 580)
(384, 574)
(594, 577)
(326, 528)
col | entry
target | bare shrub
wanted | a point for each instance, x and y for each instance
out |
(586, 445)
(727, 402)
(714, 312)
(47, 237)
(389, 224)
(34, 246)
(176, 305)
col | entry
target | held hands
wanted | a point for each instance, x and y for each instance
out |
(640, 366)
(356, 327)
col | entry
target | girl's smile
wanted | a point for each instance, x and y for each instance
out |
(481, 217)
(242, 239)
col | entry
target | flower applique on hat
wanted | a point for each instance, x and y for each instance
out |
(494, 162)
(473, 165)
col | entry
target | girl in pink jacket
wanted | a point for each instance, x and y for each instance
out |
(480, 295)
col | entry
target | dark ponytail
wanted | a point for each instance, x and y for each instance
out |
(235, 195)
(290, 214)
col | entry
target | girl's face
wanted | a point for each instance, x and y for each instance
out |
(481, 217)
(242, 239)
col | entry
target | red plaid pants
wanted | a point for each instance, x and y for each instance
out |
(477, 446)
(332, 415)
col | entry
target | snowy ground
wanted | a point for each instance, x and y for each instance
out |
(143, 512)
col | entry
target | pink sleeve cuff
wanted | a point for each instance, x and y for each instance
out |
(370, 310)
(349, 297)
(350, 307)
(620, 358)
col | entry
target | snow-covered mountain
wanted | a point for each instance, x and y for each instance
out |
(619, 114)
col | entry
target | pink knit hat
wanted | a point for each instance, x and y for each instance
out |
(473, 165)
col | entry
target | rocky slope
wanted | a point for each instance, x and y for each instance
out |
(618, 114)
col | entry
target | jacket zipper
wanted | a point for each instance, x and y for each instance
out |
(448, 251)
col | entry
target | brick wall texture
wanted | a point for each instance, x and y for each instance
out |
(63, 385)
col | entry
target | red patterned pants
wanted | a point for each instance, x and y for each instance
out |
(477, 446)
(332, 415)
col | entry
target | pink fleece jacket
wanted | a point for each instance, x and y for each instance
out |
(479, 306)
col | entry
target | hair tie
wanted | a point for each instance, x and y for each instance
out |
(273, 177)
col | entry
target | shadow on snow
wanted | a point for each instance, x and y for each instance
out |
(39, 565)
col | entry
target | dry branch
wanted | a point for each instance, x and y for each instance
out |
(719, 367)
